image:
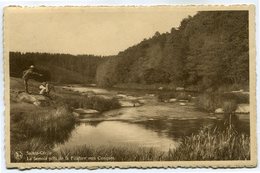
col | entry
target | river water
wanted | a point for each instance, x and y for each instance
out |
(154, 124)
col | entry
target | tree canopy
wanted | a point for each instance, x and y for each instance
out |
(208, 49)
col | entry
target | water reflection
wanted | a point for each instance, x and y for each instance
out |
(176, 128)
(116, 133)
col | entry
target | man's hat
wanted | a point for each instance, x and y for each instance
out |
(32, 66)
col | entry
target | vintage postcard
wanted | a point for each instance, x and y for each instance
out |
(159, 86)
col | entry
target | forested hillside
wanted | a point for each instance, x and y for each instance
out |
(61, 68)
(207, 50)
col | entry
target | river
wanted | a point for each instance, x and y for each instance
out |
(153, 124)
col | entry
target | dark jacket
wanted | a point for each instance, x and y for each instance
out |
(28, 74)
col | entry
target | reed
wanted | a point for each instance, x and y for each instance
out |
(213, 144)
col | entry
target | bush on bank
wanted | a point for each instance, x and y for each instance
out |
(210, 101)
(90, 102)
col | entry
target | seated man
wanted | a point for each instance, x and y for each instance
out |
(43, 89)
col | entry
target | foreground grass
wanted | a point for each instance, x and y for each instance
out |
(111, 153)
(213, 144)
(40, 129)
(207, 144)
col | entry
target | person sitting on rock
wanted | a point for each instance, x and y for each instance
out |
(43, 89)
(28, 74)
(49, 88)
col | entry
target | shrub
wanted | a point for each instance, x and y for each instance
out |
(99, 103)
(103, 104)
(183, 96)
(229, 106)
(210, 101)
(166, 95)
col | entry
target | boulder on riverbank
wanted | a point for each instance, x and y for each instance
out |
(241, 109)
(37, 100)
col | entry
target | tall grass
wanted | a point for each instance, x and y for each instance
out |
(114, 153)
(213, 144)
(40, 129)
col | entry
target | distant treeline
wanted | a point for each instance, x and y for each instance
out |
(207, 50)
(62, 68)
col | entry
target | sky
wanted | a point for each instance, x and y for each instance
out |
(89, 30)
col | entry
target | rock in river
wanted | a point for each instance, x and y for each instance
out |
(241, 109)
(219, 111)
(184, 101)
(85, 112)
(125, 103)
(179, 89)
(172, 100)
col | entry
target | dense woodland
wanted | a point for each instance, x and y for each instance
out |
(60, 68)
(207, 50)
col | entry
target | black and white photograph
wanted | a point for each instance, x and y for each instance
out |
(159, 85)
